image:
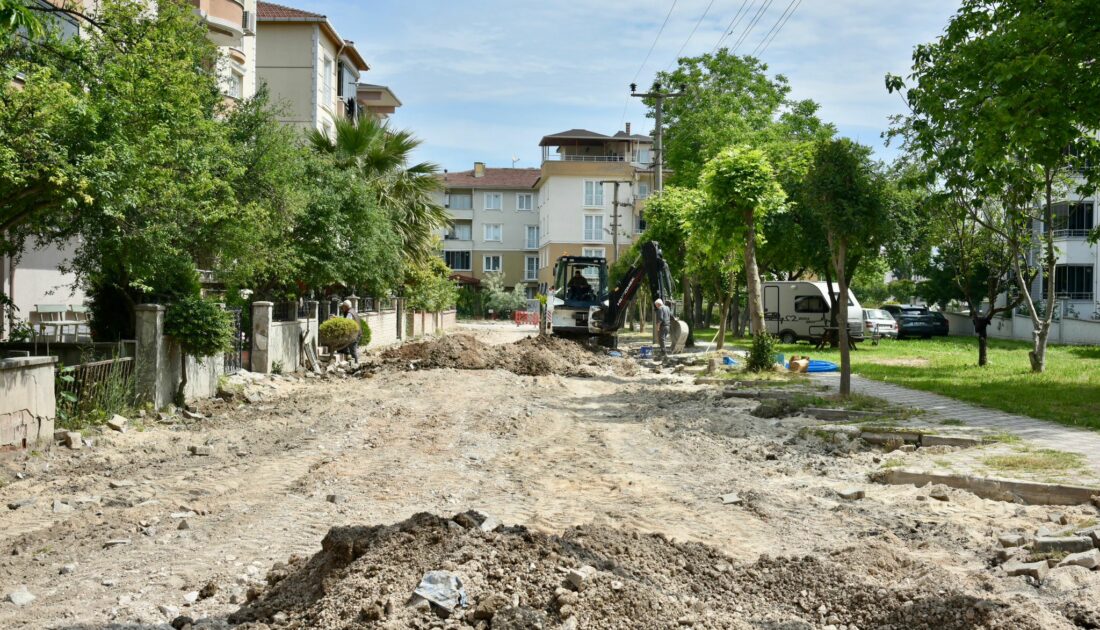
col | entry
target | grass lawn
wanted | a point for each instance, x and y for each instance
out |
(1068, 392)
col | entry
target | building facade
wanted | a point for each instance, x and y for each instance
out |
(312, 72)
(494, 224)
(1076, 283)
(231, 25)
(591, 191)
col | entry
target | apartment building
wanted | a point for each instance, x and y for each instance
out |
(231, 24)
(312, 71)
(494, 224)
(1076, 283)
(579, 213)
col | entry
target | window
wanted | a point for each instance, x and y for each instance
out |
(459, 232)
(494, 201)
(642, 155)
(326, 83)
(531, 292)
(543, 257)
(531, 270)
(593, 227)
(1073, 219)
(491, 263)
(643, 190)
(493, 232)
(639, 223)
(532, 241)
(460, 202)
(525, 202)
(457, 261)
(235, 88)
(1072, 282)
(592, 273)
(593, 193)
(810, 304)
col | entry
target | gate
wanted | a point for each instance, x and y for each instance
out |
(233, 356)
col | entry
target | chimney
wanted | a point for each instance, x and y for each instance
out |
(628, 129)
(479, 169)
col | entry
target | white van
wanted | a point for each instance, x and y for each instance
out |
(800, 310)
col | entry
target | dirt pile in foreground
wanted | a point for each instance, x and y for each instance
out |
(533, 356)
(515, 578)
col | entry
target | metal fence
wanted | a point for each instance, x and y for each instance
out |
(233, 359)
(100, 385)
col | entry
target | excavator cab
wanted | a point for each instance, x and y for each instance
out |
(580, 283)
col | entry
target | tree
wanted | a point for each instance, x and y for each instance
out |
(743, 189)
(381, 155)
(849, 196)
(502, 301)
(428, 286)
(1003, 109)
(202, 330)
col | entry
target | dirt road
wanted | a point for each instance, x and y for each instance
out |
(136, 530)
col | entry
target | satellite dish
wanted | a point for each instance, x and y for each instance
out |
(515, 158)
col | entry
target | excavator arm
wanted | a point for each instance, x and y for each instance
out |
(652, 268)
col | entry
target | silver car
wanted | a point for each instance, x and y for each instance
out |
(878, 321)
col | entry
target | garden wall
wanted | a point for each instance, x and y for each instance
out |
(27, 405)
(281, 343)
(157, 363)
(1066, 331)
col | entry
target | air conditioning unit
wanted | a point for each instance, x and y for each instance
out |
(249, 22)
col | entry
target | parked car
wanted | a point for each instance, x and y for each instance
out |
(876, 320)
(913, 320)
(797, 310)
(940, 325)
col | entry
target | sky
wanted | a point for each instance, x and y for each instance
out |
(485, 80)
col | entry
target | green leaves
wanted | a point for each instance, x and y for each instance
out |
(202, 328)
(741, 186)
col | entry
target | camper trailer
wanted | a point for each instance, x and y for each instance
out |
(800, 310)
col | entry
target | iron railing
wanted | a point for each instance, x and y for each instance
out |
(95, 385)
(233, 359)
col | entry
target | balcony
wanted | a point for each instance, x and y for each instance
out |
(1070, 233)
(224, 18)
(561, 157)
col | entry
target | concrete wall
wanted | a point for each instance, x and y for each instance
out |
(34, 278)
(280, 342)
(157, 365)
(385, 329)
(27, 404)
(1084, 332)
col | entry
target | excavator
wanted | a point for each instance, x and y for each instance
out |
(580, 304)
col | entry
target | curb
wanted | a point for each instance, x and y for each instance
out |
(1026, 492)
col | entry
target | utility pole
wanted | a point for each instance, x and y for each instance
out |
(615, 216)
(658, 133)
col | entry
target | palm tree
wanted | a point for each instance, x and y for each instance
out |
(381, 156)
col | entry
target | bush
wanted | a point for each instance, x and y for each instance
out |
(337, 332)
(471, 303)
(201, 328)
(364, 333)
(762, 355)
(502, 301)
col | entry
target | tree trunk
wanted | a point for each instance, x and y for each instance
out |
(181, 399)
(1038, 354)
(702, 317)
(981, 327)
(687, 312)
(833, 311)
(752, 277)
(840, 247)
(723, 311)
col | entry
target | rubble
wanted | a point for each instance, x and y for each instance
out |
(118, 423)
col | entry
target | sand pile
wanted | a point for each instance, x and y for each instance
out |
(533, 356)
(595, 578)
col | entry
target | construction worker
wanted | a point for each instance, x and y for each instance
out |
(352, 351)
(664, 320)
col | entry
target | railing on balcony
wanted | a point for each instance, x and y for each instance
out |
(1074, 295)
(1070, 233)
(557, 157)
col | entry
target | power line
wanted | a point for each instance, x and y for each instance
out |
(772, 29)
(751, 25)
(692, 34)
(797, 3)
(654, 44)
(729, 27)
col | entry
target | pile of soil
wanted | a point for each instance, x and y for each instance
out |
(515, 578)
(532, 356)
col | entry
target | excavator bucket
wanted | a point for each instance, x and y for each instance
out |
(677, 335)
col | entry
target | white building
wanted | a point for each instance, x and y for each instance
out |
(1076, 283)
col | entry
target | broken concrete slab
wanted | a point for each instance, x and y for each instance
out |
(118, 423)
(1037, 570)
(579, 577)
(851, 494)
(1027, 492)
(73, 440)
(889, 437)
(960, 441)
(336, 498)
(1067, 544)
(731, 499)
(22, 503)
(838, 415)
(1089, 559)
(201, 451)
(121, 483)
(118, 542)
(1011, 540)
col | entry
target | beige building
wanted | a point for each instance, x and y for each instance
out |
(579, 214)
(232, 26)
(312, 72)
(494, 224)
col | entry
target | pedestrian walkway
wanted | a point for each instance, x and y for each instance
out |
(1041, 433)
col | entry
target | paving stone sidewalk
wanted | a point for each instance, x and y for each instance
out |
(1042, 433)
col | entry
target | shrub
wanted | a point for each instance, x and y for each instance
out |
(762, 355)
(201, 328)
(337, 332)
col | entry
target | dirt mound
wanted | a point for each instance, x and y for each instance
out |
(532, 356)
(596, 577)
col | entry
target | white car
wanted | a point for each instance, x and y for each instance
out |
(876, 320)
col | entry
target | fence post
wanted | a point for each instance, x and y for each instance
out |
(400, 318)
(261, 332)
(313, 312)
(150, 356)
(354, 299)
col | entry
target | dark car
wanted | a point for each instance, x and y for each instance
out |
(913, 320)
(940, 326)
